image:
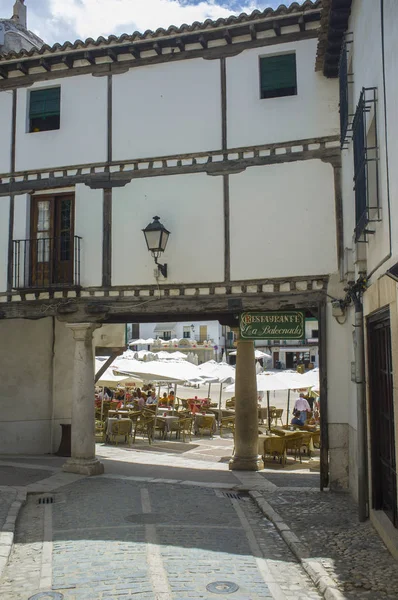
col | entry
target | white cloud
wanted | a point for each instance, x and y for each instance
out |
(91, 18)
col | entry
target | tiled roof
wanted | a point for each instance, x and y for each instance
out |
(172, 31)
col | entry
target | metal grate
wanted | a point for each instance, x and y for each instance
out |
(46, 500)
(232, 495)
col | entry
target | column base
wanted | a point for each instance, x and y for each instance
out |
(254, 463)
(83, 466)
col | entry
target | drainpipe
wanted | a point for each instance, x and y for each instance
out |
(362, 445)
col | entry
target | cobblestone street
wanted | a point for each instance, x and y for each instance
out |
(159, 525)
(108, 539)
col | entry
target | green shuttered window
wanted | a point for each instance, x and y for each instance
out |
(44, 109)
(278, 76)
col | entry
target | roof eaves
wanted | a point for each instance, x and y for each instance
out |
(334, 22)
(162, 34)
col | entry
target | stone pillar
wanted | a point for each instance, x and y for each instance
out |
(246, 411)
(83, 459)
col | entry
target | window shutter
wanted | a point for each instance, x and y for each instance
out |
(278, 72)
(45, 103)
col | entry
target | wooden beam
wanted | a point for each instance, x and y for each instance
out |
(203, 42)
(112, 55)
(134, 51)
(277, 28)
(301, 23)
(4, 73)
(227, 36)
(107, 363)
(89, 57)
(23, 68)
(180, 44)
(68, 61)
(253, 32)
(158, 48)
(45, 64)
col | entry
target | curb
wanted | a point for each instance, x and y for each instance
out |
(8, 530)
(312, 567)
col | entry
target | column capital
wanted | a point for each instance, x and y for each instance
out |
(82, 331)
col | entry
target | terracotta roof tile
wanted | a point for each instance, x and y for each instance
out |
(209, 24)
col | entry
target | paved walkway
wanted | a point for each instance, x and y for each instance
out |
(161, 525)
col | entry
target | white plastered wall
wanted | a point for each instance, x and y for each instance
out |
(4, 221)
(26, 390)
(191, 207)
(5, 128)
(88, 225)
(82, 137)
(167, 109)
(313, 112)
(282, 220)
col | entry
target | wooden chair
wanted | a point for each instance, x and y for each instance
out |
(205, 423)
(99, 430)
(227, 423)
(160, 426)
(144, 426)
(275, 447)
(277, 416)
(121, 428)
(230, 403)
(294, 444)
(185, 428)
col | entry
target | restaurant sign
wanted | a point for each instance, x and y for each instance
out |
(288, 325)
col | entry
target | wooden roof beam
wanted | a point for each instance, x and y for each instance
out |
(3, 73)
(180, 44)
(253, 32)
(45, 64)
(89, 58)
(203, 42)
(301, 23)
(22, 68)
(277, 28)
(227, 36)
(112, 54)
(134, 51)
(68, 61)
(158, 48)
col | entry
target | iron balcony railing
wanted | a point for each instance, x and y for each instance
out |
(46, 262)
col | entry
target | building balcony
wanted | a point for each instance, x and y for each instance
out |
(46, 263)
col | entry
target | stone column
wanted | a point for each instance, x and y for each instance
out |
(83, 459)
(246, 411)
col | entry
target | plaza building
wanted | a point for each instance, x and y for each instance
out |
(229, 135)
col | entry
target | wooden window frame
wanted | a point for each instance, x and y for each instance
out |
(278, 92)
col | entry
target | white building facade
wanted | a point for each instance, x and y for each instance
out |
(365, 317)
(225, 131)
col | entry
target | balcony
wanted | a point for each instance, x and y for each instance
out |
(50, 262)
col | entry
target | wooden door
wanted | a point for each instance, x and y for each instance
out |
(42, 228)
(52, 240)
(202, 333)
(384, 474)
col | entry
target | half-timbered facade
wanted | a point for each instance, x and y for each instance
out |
(223, 129)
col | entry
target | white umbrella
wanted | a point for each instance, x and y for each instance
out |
(257, 354)
(311, 379)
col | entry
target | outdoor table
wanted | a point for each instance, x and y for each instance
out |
(118, 412)
(109, 422)
(170, 422)
(199, 418)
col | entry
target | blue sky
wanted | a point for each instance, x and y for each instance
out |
(60, 20)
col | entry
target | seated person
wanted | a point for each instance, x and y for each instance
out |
(164, 401)
(171, 398)
(152, 399)
(301, 407)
